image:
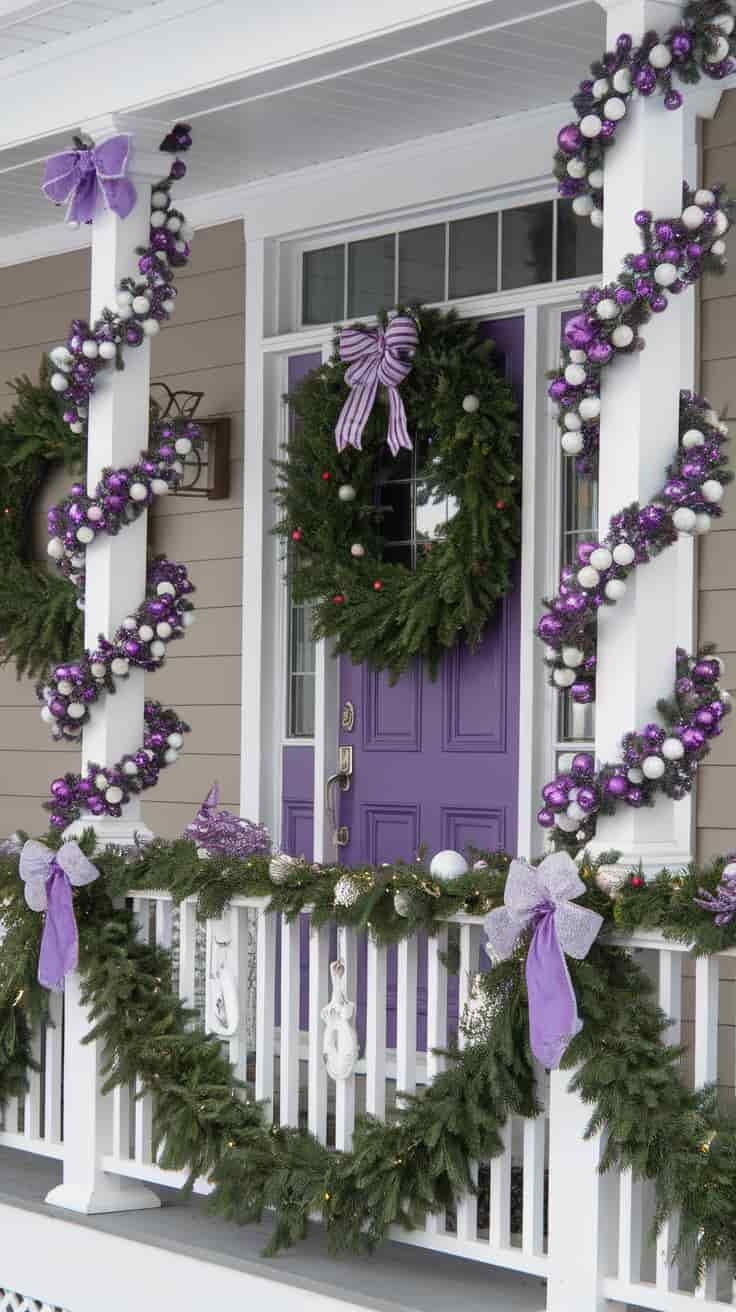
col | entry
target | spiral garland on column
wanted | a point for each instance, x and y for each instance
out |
(70, 691)
(675, 252)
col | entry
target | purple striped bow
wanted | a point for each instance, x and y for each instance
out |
(80, 177)
(376, 355)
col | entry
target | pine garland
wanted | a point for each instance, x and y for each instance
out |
(418, 1162)
(380, 612)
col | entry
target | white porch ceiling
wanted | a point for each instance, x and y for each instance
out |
(497, 58)
(28, 26)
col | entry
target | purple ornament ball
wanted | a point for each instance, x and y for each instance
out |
(642, 218)
(582, 763)
(633, 796)
(646, 80)
(557, 797)
(549, 627)
(673, 99)
(96, 805)
(58, 821)
(578, 332)
(582, 693)
(600, 352)
(659, 303)
(693, 739)
(61, 790)
(156, 740)
(681, 44)
(557, 389)
(616, 786)
(587, 799)
(545, 818)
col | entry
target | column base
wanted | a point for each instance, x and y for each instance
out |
(111, 831)
(110, 1194)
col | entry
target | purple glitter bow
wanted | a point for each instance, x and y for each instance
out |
(377, 355)
(81, 176)
(540, 898)
(223, 834)
(49, 878)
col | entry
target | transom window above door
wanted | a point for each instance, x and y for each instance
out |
(524, 246)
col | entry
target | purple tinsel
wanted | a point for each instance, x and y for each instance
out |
(723, 901)
(220, 833)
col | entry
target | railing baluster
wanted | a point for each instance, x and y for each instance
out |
(32, 1101)
(239, 950)
(467, 1208)
(707, 978)
(436, 1002)
(345, 1089)
(630, 1223)
(187, 947)
(670, 1000)
(53, 1069)
(265, 1007)
(532, 1231)
(499, 1229)
(289, 1049)
(406, 1016)
(319, 958)
(375, 1030)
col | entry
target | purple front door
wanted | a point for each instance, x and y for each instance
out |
(436, 764)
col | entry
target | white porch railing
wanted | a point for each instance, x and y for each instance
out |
(535, 1202)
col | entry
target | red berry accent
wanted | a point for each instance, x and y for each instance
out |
(296, 535)
(325, 475)
(500, 505)
(338, 599)
(377, 585)
(637, 882)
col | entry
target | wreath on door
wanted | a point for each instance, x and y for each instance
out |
(406, 554)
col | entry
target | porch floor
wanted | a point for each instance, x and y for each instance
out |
(398, 1276)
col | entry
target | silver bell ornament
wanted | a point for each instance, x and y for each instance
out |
(402, 903)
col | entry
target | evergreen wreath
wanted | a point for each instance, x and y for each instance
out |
(39, 620)
(463, 420)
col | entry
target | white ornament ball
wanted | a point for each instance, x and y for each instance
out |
(610, 881)
(684, 519)
(174, 223)
(720, 223)
(566, 823)
(719, 51)
(168, 305)
(596, 218)
(357, 550)
(124, 299)
(575, 168)
(85, 535)
(151, 327)
(159, 200)
(703, 523)
(578, 357)
(471, 404)
(187, 619)
(113, 794)
(129, 623)
(55, 549)
(119, 666)
(614, 108)
(90, 349)
(622, 336)
(573, 422)
(108, 350)
(76, 427)
(402, 903)
(595, 178)
(138, 491)
(589, 407)
(704, 197)
(693, 437)
(59, 382)
(653, 767)
(723, 21)
(175, 740)
(130, 767)
(159, 487)
(572, 444)
(158, 219)
(665, 274)
(623, 553)
(588, 577)
(622, 81)
(600, 88)
(76, 711)
(164, 629)
(448, 864)
(692, 217)
(607, 308)
(672, 749)
(573, 656)
(712, 490)
(615, 589)
(166, 589)
(46, 715)
(601, 558)
(575, 812)
(170, 756)
(65, 687)
(95, 514)
(346, 492)
(583, 205)
(563, 678)
(590, 126)
(182, 446)
(101, 781)
(158, 649)
(62, 358)
(660, 56)
(141, 305)
(718, 247)
(575, 375)
(635, 775)
(98, 670)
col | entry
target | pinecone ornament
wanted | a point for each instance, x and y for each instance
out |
(280, 867)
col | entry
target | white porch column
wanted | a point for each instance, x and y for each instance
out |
(639, 426)
(115, 586)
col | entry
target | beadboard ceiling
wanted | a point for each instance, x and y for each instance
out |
(30, 24)
(499, 58)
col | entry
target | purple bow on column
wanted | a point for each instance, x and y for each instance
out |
(376, 357)
(540, 898)
(49, 877)
(81, 176)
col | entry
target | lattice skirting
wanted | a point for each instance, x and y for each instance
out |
(12, 1302)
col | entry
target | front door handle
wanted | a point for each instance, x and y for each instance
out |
(341, 778)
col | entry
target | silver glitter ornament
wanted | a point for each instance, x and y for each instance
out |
(347, 892)
(280, 867)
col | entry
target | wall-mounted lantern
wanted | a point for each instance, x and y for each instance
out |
(207, 466)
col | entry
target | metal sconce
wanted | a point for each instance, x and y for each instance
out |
(207, 467)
